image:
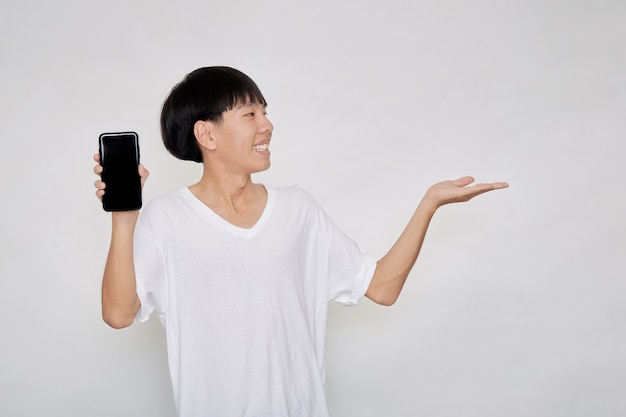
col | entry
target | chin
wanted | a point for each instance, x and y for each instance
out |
(263, 168)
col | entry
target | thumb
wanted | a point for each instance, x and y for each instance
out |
(463, 181)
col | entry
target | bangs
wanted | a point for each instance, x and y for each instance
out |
(220, 89)
(244, 98)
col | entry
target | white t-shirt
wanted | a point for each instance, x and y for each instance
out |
(245, 309)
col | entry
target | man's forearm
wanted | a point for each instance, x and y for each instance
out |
(119, 288)
(393, 269)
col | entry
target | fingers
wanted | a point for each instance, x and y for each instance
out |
(100, 187)
(492, 186)
(99, 184)
(479, 189)
(97, 169)
(465, 181)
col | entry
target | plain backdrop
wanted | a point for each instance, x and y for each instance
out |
(516, 306)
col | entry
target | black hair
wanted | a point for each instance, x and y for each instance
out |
(204, 94)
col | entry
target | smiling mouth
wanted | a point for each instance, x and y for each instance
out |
(262, 147)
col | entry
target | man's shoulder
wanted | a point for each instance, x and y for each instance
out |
(293, 194)
(168, 198)
(166, 203)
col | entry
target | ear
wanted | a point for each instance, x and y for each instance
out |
(202, 130)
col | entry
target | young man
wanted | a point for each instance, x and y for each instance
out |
(240, 273)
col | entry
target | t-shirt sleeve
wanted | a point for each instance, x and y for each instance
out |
(149, 272)
(350, 269)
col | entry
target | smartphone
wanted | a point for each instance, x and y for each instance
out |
(119, 157)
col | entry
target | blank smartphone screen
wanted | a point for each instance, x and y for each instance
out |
(119, 157)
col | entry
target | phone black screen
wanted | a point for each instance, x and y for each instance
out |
(119, 157)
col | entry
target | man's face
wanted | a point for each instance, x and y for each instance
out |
(242, 138)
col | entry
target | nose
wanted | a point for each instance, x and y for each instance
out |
(266, 125)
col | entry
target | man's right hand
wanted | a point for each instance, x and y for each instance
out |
(100, 185)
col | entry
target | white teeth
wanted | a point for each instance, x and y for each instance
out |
(263, 147)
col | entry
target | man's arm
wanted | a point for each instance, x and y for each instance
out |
(393, 269)
(120, 302)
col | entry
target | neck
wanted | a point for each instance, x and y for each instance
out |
(226, 191)
(234, 198)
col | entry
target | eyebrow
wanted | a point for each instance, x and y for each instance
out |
(251, 104)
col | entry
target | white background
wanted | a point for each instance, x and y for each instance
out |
(517, 304)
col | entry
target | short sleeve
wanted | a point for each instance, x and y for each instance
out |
(350, 269)
(149, 272)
